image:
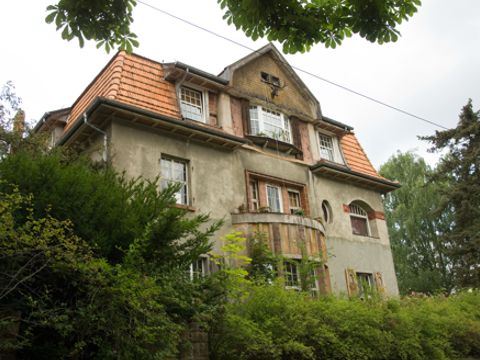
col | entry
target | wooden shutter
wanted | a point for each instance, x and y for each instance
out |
(246, 116)
(352, 285)
(379, 283)
(296, 134)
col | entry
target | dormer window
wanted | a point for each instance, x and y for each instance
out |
(269, 123)
(326, 147)
(329, 148)
(192, 104)
(269, 78)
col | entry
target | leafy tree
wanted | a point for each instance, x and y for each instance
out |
(107, 209)
(460, 166)
(415, 227)
(297, 24)
(10, 104)
(58, 300)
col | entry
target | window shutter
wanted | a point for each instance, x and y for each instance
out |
(246, 116)
(352, 285)
(379, 283)
(296, 135)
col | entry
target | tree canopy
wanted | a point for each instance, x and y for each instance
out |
(460, 166)
(416, 226)
(296, 24)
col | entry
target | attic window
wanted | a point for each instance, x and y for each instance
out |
(269, 78)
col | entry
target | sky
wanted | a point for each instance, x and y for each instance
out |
(431, 71)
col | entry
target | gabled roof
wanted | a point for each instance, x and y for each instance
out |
(228, 72)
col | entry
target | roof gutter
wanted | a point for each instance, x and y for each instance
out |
(155, 116)
(355, 173)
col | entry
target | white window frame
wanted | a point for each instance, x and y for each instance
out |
(337, 154)
(204, 95)
(258, 120)
(185, 182)
(204, 270)
(324, 138)
(294, 208)
(279, 189)
(359, 212)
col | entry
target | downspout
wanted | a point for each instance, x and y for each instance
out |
(105, 137)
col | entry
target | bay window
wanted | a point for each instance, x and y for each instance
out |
(192, 104)
(269, 123)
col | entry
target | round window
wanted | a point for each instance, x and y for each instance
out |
(326, 212)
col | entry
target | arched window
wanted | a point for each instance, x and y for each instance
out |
(359, 220)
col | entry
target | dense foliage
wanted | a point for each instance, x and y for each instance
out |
(460, 165)
(300, 24)
(272, 323)
(297, 24)
(416, 227)
(94, 265)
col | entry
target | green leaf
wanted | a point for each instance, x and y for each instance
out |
(50, 17)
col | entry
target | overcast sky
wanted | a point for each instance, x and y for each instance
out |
(430, 71)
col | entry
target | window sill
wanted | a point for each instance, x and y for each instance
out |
(185, 207)
(267, 142)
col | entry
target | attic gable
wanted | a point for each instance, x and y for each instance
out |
(247, 77)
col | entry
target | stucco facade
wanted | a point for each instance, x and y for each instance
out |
(308, 185)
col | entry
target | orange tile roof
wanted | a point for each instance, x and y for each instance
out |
(133, 80)
(356, 157)
(138, 81)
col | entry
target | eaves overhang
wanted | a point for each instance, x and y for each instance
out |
(103, 110)
(344, 173)
(55, 115)
(333, 125)
(181, 71)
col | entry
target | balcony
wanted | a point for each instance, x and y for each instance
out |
(286, 234)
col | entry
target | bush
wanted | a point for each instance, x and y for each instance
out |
(273, 323)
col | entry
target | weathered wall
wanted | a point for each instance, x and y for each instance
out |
(247, 80)
(363, 254)
(217, 186)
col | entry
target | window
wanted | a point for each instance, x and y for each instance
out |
(359, 220)
(274, 198)
(175, 172)
(294, 201)
(269, 78)
(365, 284)
(199, 268)
(326, 147)
(269, 123)
(254, 194)
(192, 104)
(291, 274)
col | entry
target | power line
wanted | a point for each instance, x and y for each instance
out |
(294, 67)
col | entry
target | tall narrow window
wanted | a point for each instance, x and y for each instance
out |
(175, 172)
(199, 268)
(359, 220)
(326, 147)
(192, 104)
(294, 201)
(291, 274)
(254, 204)
(269, 123)
(274, 198)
